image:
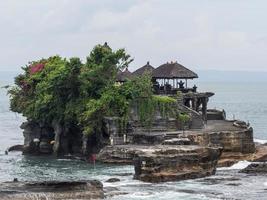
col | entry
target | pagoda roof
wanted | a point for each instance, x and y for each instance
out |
(173, 70)
(145, 69)
(123, 76)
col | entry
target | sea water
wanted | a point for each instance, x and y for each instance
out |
(246, 101)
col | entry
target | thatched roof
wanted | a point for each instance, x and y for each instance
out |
(123, 76)
(173, 70)
(145, 69)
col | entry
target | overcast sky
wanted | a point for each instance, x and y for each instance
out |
(200, 34)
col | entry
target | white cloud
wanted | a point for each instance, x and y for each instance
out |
(199, 34)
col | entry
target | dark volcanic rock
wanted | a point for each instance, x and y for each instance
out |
(51, 190)
(45, 147)
(31, 131)
(255, 168)
(113, 180)
(16, 148)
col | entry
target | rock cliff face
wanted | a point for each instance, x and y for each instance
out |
(234, 141)
(227, 134)
(235, 137)
(37, 138)
(161, 163)
(59, 140)
(171, 163)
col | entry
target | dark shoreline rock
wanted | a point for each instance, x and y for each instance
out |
(113, 180)
(52, 190)
(17, 147)
(255, 168)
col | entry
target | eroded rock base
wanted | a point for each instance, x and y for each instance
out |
(161, 163)
(53, 190)
(176, 163)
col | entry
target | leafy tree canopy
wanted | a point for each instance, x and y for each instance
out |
(74, 93)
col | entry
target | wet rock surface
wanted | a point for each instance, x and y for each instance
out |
(255, 168)
(17, 147)
(112, 180)
(51, 190)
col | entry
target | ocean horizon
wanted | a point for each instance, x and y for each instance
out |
(240, 100)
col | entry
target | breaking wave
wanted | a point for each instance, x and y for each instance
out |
(238, 166)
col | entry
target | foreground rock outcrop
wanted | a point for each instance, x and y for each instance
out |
(162, 163)
(176, 163)
(52, 190)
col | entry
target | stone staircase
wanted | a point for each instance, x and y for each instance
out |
(159, 125)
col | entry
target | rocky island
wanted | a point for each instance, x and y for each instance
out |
(151, 118)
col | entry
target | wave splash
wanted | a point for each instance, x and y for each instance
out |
(238, 166)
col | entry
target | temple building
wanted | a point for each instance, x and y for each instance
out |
(170, 79)
(142, 70)
(123, 76)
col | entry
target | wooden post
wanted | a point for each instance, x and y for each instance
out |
(194, 104)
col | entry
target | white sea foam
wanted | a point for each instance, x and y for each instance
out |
(240, 165)
(260, 141)
(265, 183)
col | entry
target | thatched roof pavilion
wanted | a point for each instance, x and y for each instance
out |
(170, 77)
(173, 70)
(123, 76)
(145, 69)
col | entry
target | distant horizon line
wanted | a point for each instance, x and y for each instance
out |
(219, 70)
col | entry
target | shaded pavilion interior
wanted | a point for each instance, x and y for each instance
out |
(172, 77)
